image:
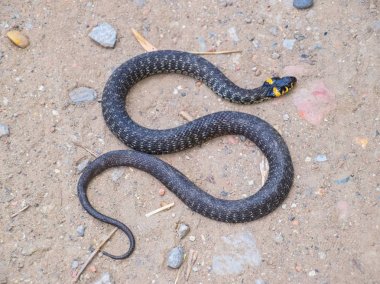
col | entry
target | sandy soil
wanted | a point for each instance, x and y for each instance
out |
(326, 231)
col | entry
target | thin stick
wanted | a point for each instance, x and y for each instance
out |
(143, 41)
(93, 255)
(159, 209)
(215, 52)
(18, 212)
(84, 148)
(192, 258)
(186, 115)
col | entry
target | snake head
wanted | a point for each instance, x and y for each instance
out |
(280, 86)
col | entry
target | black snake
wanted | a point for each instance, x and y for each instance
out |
(193, 133)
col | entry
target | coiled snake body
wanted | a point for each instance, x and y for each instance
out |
(193, 133)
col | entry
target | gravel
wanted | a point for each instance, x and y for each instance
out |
(82, 94)
(104, 279)
(104, 34)
(288, 43)
(302, 4)
(74, 264)
(82, 165)
(176, 257)
(80, 230)
(233, 34)
(320, 158)
(4, 130)
(183, 230)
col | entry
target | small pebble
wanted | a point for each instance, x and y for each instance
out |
(322, 255)
(175, 257)
(273, 31)
(302, 4)
(312, 273)
(250, 182)
(192, 238)
(299, 36)
(18, 38)
(4, 130)
(307, 159)
(288, 43)
(275, 55)
(74, 264)
(320, 158)
(342, 180)
(161, 191)
(80, 230)
(82, 94)
(285, 117)
(116, 174)
(82, 165)
(257, 73)
(183, 230)
(279, 238)
(233, 34)
(202, 43)
(104, 279)
(104, 34)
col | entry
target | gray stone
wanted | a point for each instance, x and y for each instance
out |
(273, 31)
(82, 94)
(81, 166)
(285, 117)
(80, 230)
(176, 257)
(234, 253)
(279, 238)
(4, 130)
(275, 55)
(139, 3)
(320, 158)
(202, 43)
(302, 4)
(288, 43)
(233, 34)
(116, 174)
(104, 34)
(182, 230)
(74, 264)
(104, 279)
(343, 180)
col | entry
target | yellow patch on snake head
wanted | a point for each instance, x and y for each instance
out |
(269, 80)
(276, 92)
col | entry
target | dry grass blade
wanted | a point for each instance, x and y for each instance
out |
(166, 207)
(186, 115)
(93, 255)
(18, 212)
(215, 52)
(193, 254)
(264, 169)
(143, 42)
(86, 149)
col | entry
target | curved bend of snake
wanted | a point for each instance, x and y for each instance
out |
(196, 132)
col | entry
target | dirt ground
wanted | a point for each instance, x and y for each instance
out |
(327, 230)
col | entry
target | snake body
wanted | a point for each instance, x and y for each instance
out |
(196, 132)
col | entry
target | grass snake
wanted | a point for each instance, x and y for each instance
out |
(193, 133)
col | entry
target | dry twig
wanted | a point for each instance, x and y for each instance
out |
(186, 115)
(22, 209)
(86, 149)
(143, 42)
(193, 254)
(159, 209)
(93, 255)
